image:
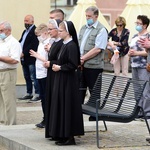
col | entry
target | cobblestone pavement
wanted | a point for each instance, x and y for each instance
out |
(119, 136)
(28, 115)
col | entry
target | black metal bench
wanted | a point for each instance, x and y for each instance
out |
(114, 98)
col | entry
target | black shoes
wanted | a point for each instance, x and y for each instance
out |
(41, 124)
(70, 141)
(28, 96)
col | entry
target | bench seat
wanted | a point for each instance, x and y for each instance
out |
(116, 99)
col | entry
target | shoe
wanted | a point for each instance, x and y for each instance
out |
(41, 124)
(27, 96)
(91, 118)
(70, 141)
(34, 99)
(148, 139)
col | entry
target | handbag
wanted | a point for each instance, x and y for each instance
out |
(114, 57)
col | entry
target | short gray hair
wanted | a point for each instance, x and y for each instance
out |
(93, 9)
(6, 25)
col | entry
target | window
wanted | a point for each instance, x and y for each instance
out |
(71, 2)
(59, 3)
(107, 17)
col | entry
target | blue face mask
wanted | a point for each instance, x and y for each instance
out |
(139, 28)
(90, 22)
(3, 36)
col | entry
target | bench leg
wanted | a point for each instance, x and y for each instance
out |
(146, 121)
(147, 125)
(97, 131)
(105, 125)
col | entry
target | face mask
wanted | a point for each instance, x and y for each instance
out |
(90, 22)
(3, 36)
(139, 28)
(41, 39)
(27, 26)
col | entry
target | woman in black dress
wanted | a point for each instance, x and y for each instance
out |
(66, 120)
(52, 57)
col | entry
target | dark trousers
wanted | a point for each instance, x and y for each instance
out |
(30, 77)
(42, 88)
(87, 79)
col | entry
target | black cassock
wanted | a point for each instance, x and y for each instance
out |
(52, 57)
(66, 117)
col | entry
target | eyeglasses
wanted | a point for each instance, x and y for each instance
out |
(119, 25)
(138, 23)
(50, 29)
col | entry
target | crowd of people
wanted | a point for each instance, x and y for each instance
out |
(58, 63)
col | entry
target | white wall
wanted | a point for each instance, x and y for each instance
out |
(14, 12)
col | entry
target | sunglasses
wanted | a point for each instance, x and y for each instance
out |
(119, 25)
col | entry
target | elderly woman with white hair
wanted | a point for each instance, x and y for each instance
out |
(52, 57)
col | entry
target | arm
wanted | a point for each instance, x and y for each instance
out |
(9, 60)
(112, 35)
(145, 43)
(92, 53)
(133, 52)
(14, 53)
(37, 56)
(71, 59)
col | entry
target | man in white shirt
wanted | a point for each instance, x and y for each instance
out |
(10, 52)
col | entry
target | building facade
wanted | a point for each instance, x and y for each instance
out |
(108, 8)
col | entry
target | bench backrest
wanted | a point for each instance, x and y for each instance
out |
(117, 94)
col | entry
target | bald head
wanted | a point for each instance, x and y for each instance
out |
(29, 19)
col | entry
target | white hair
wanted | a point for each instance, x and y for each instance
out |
(6, 25)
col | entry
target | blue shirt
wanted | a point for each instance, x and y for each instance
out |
(25, 35)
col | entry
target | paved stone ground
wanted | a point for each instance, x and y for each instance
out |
(29, 115)
(119, 136)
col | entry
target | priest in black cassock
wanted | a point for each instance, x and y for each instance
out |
(66, 119)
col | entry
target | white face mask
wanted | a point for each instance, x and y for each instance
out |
(41, 39)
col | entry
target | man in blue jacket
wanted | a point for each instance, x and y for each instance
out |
(29, 41)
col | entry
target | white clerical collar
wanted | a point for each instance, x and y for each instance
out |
(67, 41)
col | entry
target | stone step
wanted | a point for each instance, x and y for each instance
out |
(118, 137)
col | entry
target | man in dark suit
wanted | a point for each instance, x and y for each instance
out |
(29, 41)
